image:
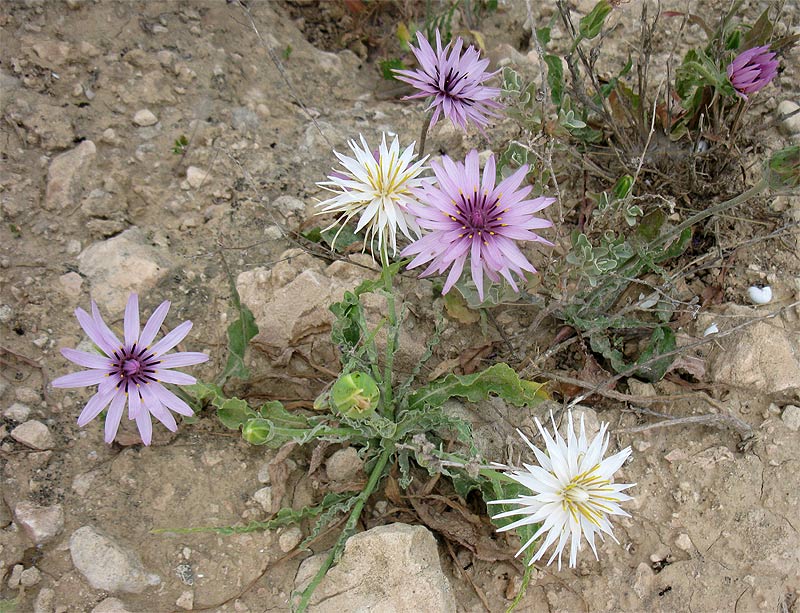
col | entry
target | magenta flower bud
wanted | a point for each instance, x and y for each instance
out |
(752, 70)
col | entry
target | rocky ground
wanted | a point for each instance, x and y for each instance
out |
(95, 202)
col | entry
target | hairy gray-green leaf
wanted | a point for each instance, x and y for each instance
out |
(498, 380)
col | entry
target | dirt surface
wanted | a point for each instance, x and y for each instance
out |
(95, 202)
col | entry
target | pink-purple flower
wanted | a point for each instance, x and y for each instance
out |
(131, 371)
(752, 70)
(454, 81)
(469, 217)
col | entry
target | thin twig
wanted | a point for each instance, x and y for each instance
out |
(33, 364)
(276, 60)
(744, 429)
(629, 371)
(465, 575)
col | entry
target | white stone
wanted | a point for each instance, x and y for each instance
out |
(790, 125)
(16, 575)
(186, 600)
(389, 568)
(343, 465)
(763, 357)
(197, 177)
(263, 474)
(759, 295)
(121, 265)
(106, 564)
(66, 177)
(264, 498)
(27, 395)
(40, 524)
(144, 118)
(290, 538)
(30, 577)
(791, 417)
(109, 137)
(683, 542)
(45, 601)
(73, 247)
(34, 434)
(111, 605)
(71, 283)
(18, 412)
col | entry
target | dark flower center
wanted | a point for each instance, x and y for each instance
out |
(477, 214)
(134, 366)
(450, 81)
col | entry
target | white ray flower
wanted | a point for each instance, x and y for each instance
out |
(573, 492)
(377, 187)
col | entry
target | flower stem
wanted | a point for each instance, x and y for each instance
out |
(736, 118)
(526, 579)
(388, 379)
(350, 526)
(713, 210)
(424, 134)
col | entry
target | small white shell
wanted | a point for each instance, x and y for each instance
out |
(712, 329)
(759, 295)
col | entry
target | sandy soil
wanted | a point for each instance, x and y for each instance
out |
(94, 202)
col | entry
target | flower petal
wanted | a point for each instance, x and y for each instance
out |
(83, 378)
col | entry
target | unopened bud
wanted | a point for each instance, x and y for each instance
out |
(257, 431)
(355, 395)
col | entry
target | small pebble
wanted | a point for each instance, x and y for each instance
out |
(145, 117)
(712, 329)
(16, 574)
(186, 600)
(290, 538)
(33, 434)
(30, 577)
(196, 177)
(683, 542)
(791, 417)
(759, 295)
(18, 412)
(264, 498)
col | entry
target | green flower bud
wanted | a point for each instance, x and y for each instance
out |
(355, 395)
(784, 168)
(323, 401)
(257, 431)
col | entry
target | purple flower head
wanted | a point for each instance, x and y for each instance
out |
(468, 215)
(131, 371)
(454, 81)
(752, 70)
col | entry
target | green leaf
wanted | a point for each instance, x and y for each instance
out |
(494, 487)
(340, 238)
(661, 341)
(240, 332)
(314, 235)
(555, 78)
(278, 415)
(335, 504)
(389, 66)
(234, 413)
(543, 35)
(434, 419)
(284, 517)
(591, 24)
(498, 380)
(622, 188)
(758, 34)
